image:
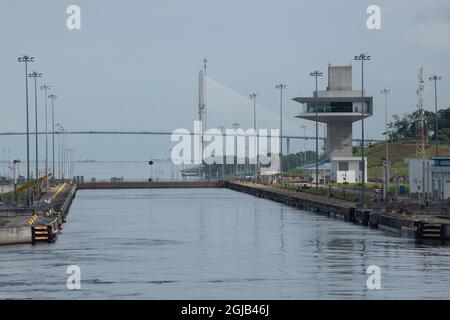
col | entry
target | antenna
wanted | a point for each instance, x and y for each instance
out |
(420, 119)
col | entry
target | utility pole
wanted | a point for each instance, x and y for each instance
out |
(253, 97)
(281, 87)
(26, 59)
(362, 57)
(386, 163)
(60, 128)
(304, 143)
(236, 126)
(46, 88)
(317, 74)
(36, 75)
(222, 129)
(53, 98)
(436, 78)
(15, 168)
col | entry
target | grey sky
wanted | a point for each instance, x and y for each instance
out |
(134, 64)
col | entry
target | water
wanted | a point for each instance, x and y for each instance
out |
(129, 170)
(217, 244)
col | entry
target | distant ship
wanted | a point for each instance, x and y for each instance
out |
(85, 160)
(191, 172)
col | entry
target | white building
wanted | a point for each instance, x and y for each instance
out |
(430, 177)
(347, 169)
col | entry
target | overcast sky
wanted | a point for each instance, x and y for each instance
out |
(134, 64)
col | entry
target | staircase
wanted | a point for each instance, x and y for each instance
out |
(431, 230)
(42, 234)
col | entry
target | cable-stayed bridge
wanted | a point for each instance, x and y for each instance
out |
(157, 133)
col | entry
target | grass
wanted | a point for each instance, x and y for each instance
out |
(8, 197)
(398, 153)
(337, 194)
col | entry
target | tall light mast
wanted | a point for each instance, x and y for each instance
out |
(205, 118)
(202, 109)
(420, 121)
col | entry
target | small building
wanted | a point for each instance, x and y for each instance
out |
(419, 178)
(441, 178)
(324, 167)
(347, 169)
(430, 178)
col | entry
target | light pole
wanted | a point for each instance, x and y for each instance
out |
(61, 148)
(65, 153)
(436, 78)
(15, 174)
(222, 129)
(59, 127)
(386, 92)
(281, 87)
(36, 75)
(53, 97)
(26, 59)
(316, 74)
(304, 143)
(46, 88)
(362, 57)
(236, 126)
(253, 97)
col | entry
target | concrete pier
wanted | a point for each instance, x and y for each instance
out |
(39, 223)
(335, 208)
(420, 223)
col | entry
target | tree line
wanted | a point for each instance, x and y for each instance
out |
(405, 128)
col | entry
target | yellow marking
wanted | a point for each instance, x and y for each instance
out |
(59, 190)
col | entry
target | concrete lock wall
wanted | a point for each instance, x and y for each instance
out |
(15, 235)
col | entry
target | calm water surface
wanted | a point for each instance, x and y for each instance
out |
(217, 244)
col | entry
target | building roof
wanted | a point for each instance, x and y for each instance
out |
(323, 165)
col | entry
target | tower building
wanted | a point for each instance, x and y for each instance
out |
(339, 106)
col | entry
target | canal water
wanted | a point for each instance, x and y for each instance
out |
(217, 244)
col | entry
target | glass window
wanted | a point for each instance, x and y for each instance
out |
(330, 107)
(443, 163)
(343, 166)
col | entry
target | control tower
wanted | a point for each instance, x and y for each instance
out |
(339, 106)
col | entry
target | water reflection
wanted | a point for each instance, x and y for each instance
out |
(217, 244)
